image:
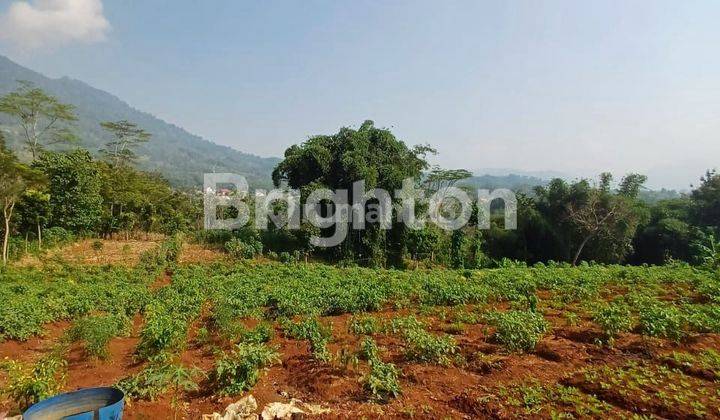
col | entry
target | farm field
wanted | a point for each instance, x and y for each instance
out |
(185, 338)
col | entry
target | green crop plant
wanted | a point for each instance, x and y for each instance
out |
(239, 370)
(518, 330)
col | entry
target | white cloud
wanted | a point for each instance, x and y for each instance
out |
(48, 23)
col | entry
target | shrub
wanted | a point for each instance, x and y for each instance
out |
(661, 320)
(316, 333)
(424, 347)
(97, 331)
(156, 380)
(27, 384)
(363, 324)
(262, 333)
(369, 349)
(382, 381)
(613, 318)
(518, 330)
(163, 331)
(703, 318)
(240, 370)
(243, 249)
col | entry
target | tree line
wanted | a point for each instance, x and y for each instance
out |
(73, 193)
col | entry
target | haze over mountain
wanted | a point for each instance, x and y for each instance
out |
(178, 155)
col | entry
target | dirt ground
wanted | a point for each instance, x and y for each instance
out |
(113, 251)
(428, 391)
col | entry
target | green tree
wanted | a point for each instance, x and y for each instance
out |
(74, 186)
(706, 201)
(610, 219)
(337, 161)
(15, 178)
(42, 117)
(126, 137)
(34, 212)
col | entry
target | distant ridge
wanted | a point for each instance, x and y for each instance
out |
(178, 155)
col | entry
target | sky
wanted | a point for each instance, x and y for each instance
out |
(566, 86)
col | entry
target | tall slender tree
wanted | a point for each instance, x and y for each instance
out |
(126, 137)
(42, 117)
(15, 178)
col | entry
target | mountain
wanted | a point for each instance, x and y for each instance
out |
(180, 156)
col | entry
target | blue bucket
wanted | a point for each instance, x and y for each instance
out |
(85, 404)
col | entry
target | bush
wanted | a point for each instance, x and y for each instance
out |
(363, 324)
(156, 380)
(240, 370)
(613, 318)
(240, 249)
(163, 331)
(421, 346)
(382, 381)
(316, 333)
(262, 333)
(97, 331)
(661, 320)
(518, 330)
(27, 384)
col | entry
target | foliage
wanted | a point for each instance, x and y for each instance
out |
(40, 115)
(157, 379)
(336, 162)
(74, 187)
(240, 370)
(425, 347)
(518, 330)
(382, 381)
(29, 383)
(240, 249)
(126, 136)
(97, 331)
(317, 334)
(613, 318)
(658, 319)
(363, 324)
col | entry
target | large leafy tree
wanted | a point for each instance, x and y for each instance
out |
(706, 201)
(136, 200)
(34, 212)
(15, 178)
(74, 186)
(126, 137)
(337, 161)
(42, 117)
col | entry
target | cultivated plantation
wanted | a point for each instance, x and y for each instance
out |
(186, 339)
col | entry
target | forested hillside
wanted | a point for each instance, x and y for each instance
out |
(179, 156)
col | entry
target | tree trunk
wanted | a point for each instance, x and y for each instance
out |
(39, 236)
(7, 214)
(580, 248)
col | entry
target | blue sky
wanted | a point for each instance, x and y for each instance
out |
(576, 87)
